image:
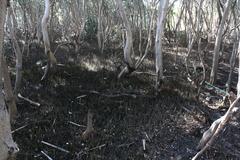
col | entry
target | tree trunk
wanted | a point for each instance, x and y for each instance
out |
(12, 27)
(238, 84)
(139, 62)
(7, 146)
(38, 27)
(100, 27)
(9, 96)
(129, 40)
(218, 43)
(51, 58)
(162, 10)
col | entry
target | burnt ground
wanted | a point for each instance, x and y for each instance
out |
(126, 111)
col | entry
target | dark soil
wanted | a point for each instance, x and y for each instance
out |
(126, 112)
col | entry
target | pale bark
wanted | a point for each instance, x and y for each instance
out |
(218, 42)
(238, 84)
(129, 40)
(100, 26)
(7, 146)
(194, 33)
(89, 130)
(78, 18)
(139, 62)
(38, 27)
(232, 63)
(162, 10)
(215, 129)
(9, 96)
(12, 27)
(51, 58)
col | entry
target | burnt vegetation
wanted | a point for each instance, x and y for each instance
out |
(123, 79)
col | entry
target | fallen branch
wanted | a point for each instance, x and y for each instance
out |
(19, 129)
(127, 145)
(47, 156)
(97, 147)
(115, 95)
(54, 146)
(210, 135)
(147, 73)
(28, 100)
(75, 124)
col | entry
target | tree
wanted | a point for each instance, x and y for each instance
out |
(129, 40)
(162, 10)
(51, 58)
(7, 146)
(218, 42)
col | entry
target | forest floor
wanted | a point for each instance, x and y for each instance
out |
(126, 111)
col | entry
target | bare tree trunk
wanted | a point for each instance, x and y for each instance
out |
(17, 50)
(7, 146)
(100, 27)
(238, 84)
(129, 41)
(38, 27)
(139, 62)
(9, 96)
(162, 10)
(232, 63)
(140, 29)
(51, 59)
(218, 42)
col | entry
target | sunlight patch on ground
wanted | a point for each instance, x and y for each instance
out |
(95, 64)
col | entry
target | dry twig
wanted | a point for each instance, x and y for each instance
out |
(28, 100)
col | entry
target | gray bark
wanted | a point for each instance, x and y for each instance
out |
(218, 42)
(7, 146)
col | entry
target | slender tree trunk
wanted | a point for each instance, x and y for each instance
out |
(129, 40)
(9, 96)
(232, 62)
(7, 146)
(238, 84)
(38, 27)
(100, 33)
(139, 62)
(17, 50)
(162, 10)
(51, 59)
(218, 42)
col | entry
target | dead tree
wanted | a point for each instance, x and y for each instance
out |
(129, 41)
(51, 58)
(218, 42)
(7, 146)
(162, 10)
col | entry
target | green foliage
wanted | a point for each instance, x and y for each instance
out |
(90, 28)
